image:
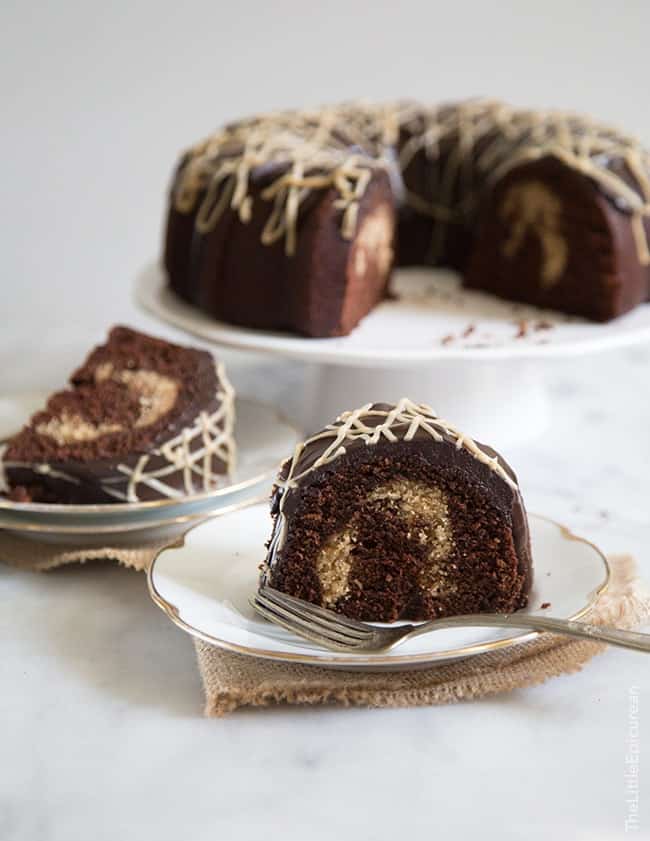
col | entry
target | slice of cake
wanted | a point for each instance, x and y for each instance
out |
(144, 419)
(390, 513)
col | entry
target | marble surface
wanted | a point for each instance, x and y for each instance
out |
(101, 734)
(101, 731)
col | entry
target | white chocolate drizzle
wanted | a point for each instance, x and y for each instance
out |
(214, 431)
(398, 423)
(311, 151)
(468, 147)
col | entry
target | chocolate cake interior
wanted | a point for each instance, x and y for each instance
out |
(547, 237)
(120, 401)
(399, 536)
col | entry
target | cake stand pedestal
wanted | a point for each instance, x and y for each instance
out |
(504, 403)
(478, 361)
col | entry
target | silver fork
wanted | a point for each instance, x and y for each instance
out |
(339, 633)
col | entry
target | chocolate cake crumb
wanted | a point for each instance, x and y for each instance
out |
(522, 329)
(544, 605)
(19, 494)
(385, 556)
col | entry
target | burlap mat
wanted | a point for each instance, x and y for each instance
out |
(36, 555)
(234, 680)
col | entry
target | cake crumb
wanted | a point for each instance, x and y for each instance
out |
(544, 605)
(447, 340)
(467, 332)
(19, 493)
(522, 329)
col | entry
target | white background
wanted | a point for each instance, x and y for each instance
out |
(100, 728)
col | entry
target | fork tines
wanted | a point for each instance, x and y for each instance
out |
(311, 621)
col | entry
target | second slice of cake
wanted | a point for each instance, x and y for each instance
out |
(390, 513)
(144, 419)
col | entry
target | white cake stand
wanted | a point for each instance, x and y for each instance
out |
(477, 360)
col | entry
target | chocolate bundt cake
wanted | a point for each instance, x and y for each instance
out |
(294, 220)
(144, 419)
(391, 513)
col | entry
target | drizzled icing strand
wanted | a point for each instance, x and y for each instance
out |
(399, 423)
(214, 434)
(468, 147)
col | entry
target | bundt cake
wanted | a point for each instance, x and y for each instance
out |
(294, 220)
(144, 419)
(390, 513)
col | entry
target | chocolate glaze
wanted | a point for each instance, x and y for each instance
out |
(221, 271)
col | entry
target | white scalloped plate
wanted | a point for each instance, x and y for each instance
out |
(431, 317)
(204, 585)
(263, 438)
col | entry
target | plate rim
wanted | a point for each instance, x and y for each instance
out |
(149, 286)
(121, 527)
(337, 660)
(106, 508)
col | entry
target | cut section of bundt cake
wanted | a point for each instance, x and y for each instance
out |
(144, 419)
(390, 513)
(547, 236)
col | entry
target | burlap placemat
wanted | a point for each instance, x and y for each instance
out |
(234, 680)
(40, 556)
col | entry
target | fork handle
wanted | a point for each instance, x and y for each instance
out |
(596, 633)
